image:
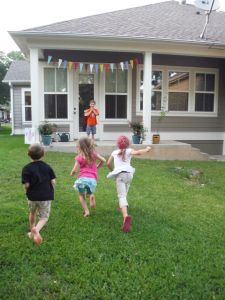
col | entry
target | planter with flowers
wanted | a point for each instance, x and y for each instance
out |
(138, 132)
(46, 130)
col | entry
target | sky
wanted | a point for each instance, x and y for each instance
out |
(23, 14)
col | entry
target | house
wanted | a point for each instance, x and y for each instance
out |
(4, 113)
(133, 62)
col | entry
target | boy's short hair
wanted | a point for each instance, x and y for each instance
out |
(92, 101)
(36, 151)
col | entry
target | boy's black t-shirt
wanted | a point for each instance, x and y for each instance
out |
(39, 175)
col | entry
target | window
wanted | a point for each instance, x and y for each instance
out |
(178, 87)
(204, 92)
(181, 90)
(27, 108)
(55, 93)
(116, 94)
(156, 90)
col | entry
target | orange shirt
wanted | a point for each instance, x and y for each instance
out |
(91, 119)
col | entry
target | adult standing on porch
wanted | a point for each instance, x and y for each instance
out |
(91, 115)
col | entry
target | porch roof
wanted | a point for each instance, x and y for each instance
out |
(166, 21)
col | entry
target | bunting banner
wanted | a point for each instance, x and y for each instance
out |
(123, 65)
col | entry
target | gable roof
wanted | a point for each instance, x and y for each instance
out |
(19, 71)
(168, 21)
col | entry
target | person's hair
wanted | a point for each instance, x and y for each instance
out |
(92, 101)
(123, 143)
(36, 151)
(86, 147)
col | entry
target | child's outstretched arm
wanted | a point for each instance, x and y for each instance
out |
(101, 161)
(141, 151)
(109, 163)
(75, 169)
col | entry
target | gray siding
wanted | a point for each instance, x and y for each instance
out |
(17, 107)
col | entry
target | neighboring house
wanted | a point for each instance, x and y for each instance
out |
(133, 62)
(4, 113)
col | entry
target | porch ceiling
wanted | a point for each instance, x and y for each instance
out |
(92, 56)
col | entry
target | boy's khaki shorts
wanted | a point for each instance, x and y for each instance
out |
(43, 208)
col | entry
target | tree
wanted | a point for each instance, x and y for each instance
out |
(5, 61)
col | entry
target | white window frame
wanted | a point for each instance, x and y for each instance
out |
(128, 93)
(23, 91)
(56, 93)
(192, 90)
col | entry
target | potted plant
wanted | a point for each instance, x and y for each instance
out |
(138, 132)
(156, 136)
(46, 130)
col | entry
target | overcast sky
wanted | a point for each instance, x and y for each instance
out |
(23, 14)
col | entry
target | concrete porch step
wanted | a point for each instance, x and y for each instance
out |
(166, 150)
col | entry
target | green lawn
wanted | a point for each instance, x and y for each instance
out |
(176, 249)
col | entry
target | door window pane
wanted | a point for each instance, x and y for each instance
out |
(27, 113)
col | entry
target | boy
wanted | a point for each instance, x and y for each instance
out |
(91, 115)
(39, 181)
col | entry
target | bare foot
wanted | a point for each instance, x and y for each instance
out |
(86, 214)
(37, 237)
(92, 201)
(30, 235)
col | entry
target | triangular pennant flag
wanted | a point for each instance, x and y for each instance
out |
(126, 65)
(101, 67)
(91, 67)
(59, 62)
(136, 61)
(70, 65)
(64, 64)
(81, 67)
(96, 68)
(132, 63)
(112, 67)
(107, 68)
(49, 59)
(76, 65)
(122, 65)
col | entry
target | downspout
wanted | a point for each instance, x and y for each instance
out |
(11, 108)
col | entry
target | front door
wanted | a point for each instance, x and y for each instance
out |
(86, 89)
(86, 93)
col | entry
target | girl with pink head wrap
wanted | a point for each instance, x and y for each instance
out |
(123, 174)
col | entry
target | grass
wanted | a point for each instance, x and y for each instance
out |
(176, 249)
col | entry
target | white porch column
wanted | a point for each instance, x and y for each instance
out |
(35, 88)
(147, 92)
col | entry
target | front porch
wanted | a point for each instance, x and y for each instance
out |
(166, 150)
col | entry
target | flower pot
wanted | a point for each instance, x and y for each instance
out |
(46, 140)
(136, 139)
(155, 139)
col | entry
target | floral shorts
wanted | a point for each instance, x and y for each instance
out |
(43, 208)
(85, 185)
